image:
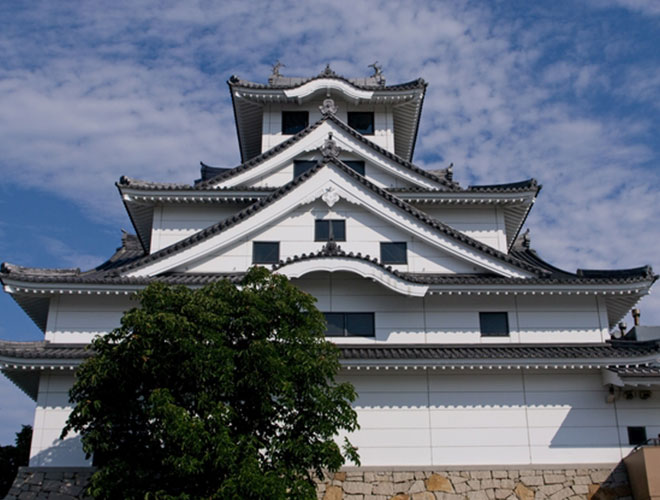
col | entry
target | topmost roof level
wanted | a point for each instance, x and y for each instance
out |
(258, 106)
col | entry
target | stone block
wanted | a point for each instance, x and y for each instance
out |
(36, 478)
(333, 493)
(60, 496)
(436, 482)
(580, 489)
(490, 493)
(599, 476)
(480, 474)
(401, 496)
(570, 472)
(461, 487)
(550, 489)
(354, 497)
(477, 495)
(403, 476)
(561, 494)
(507, 484)
(376, 497)
(554, 478)
(357, 488)
(582, 480)
(513, 474)
(423, 495)
(500, 474)
(339, 476)
(523, 492)
(457, 479)
(474, 484)
(488, 483)
(417, 487)
(420, 474)
(383, 488)
(440, 495)
(532, 480)
(501, 494)
(369, 477)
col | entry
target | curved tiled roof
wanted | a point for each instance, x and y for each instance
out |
(295, 138)
(613, 350)
(637, 371)
(259, 205)
(608, 350)
(292, 83)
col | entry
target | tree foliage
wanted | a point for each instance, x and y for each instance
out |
(12, 457)
(223, 392)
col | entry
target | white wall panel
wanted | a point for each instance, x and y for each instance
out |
(52, 411)
(480, 455)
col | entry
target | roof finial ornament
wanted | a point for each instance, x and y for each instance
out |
(330, 149)
(378, 73)
(331, 248)
(276, 68)
(526, 240)
(275, 74)
(327, 71)
(328, 107)
(450, 172)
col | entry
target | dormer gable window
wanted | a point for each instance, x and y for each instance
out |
(361, 121)
(330, 229)
(302, 166)
(294, 121)
(356, 165)
(394, 252)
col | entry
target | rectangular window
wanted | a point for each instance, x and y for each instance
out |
(302, 166)
(393, 253)
(361, 121)
(326, 230)
(350, 324)
(265, 252)
(294, 121)
(356, 165)
(636, 435)
(494, 324)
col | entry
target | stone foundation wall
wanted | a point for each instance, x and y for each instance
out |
(494, 484)
(598, 483)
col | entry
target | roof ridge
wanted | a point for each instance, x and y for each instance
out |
(295, 82)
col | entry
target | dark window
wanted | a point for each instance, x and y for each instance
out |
(350, 324)
(393, 253)
(294, 121)
(636, 435)
(358, 166)
(326, 230)
(265, 252)
(302, 166)
(494, 324)
(361, 121)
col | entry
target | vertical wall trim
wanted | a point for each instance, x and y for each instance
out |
(428, 411)
(515, 305)
(529, 438)
(600, 319)
(618, 429)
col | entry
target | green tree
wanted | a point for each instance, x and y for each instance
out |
(226, 391)
(11, 457)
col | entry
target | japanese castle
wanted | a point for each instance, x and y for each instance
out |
(464, 345)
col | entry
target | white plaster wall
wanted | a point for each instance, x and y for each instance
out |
(484, 224)
(174, 223)
(364, 232)
(515, 417)
(53, 409)
(454, 319)
(78, 319)
(272, 121)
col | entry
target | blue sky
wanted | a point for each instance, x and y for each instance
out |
(567, 92)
